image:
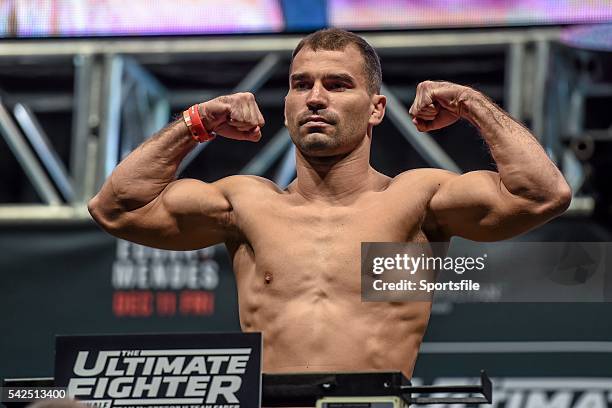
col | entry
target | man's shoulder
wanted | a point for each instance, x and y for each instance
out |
(424, 176)
(422, 184)
(245, 183)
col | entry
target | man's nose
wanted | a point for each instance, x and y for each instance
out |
(317, 98)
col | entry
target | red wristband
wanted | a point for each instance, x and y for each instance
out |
(194, 123)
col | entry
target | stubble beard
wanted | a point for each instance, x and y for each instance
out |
(317, 144)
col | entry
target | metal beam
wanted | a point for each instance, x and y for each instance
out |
(32, 168)
(572, 170)
(144, 100)
(259, 74)
(37, 214)
(539, 84)
(241, 45)
(86, 85)
(576, 111)
(94, 52)
(514, 83)
(422, 142)
(286, 171)
(270, 96)
(111, 117)
(48, 102)
(269, 154)
(582, 206)
(45, 151)
(152, 84)
(86, 114)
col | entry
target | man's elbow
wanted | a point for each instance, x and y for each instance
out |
(108, 218)
(557, 201)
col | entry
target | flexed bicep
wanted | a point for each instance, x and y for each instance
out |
(188, 214)
(478, 206)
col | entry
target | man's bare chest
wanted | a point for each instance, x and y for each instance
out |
(280, 228)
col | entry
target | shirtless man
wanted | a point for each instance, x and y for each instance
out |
(296, 252)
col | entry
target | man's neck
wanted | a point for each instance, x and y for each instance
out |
(334, 179)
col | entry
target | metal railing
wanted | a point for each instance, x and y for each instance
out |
(110, 84)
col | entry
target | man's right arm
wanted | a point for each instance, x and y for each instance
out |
(142, 201)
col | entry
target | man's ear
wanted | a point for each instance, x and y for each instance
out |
(377, 115)
(285, 111)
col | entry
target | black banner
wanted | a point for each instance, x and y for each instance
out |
(212, 370)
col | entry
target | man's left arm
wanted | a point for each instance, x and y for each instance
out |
(526, 191)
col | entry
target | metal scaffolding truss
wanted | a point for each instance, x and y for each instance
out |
(117, 102)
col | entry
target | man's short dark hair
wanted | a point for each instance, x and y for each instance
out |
(335, 39)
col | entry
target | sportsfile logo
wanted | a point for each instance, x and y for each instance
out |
(194, 378)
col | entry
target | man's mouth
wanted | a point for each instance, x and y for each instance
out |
(314, 121)
(316, 124)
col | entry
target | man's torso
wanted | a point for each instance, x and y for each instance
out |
(297, 267)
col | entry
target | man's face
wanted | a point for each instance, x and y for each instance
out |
(328, 105)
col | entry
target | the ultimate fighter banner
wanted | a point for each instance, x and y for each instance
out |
(212, 370)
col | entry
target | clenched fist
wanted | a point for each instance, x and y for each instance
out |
(235, 116)
(438, 104)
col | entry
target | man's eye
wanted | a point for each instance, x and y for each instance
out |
(300, 85)
(337, 86)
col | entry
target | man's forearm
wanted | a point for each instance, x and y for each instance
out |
(145, 172)
(523, 166)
